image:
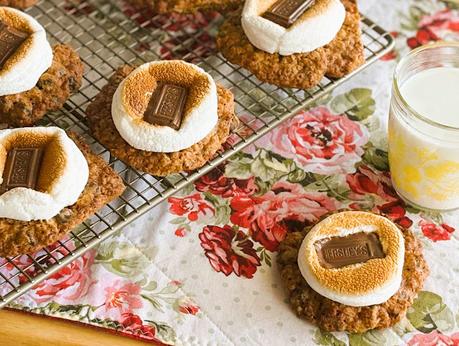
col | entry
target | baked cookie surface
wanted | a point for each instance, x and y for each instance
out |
(21, 4)
(160, 164)
(186, 6)
(301, 70)
(53, 89)
(104, 185)
(333, 316)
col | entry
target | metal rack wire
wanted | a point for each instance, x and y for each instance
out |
(108, 34)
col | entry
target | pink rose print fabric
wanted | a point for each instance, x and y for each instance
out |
(266, 216)
(191, 206)
(320, 142)
(120, 298)
(434, 339)
(68, 284)
(443, 24)
(216, 183)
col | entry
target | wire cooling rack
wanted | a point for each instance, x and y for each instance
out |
(108, 34)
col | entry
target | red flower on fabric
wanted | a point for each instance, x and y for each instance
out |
(120, 298)
(216, 183)
(436, 232)
(192, 206)
(187, 306)
(128, 319)
(133, 325)
(180, 232)
(68, 284)
(442, 25)
(319, 141)
(229, 251)
(396, 212)
(434, 339)
(370, 181)
(265, 215)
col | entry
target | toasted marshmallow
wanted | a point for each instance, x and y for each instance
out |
(131, 99)
(374, 275)
(61, 178)
(33, 57)
(314, 29)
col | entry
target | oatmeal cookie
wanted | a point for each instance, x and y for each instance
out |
(160, 164)
(53, 89)
(183, 6)
(333, 316)
(301, 70)
(21, 4)
(104, 185)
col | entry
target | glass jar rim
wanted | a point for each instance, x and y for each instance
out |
(402, 62)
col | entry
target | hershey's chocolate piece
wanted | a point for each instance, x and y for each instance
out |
(337, 252)
(287, 12)
(166, 105)
(22, 168)
(10, 40)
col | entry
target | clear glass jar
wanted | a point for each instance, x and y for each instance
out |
(423, 154)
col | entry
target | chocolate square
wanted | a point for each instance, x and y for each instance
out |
(22, 168)
(337, 252)
(166, 105)
(10, 40)
(287, 12)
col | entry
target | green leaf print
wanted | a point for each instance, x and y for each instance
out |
(239, 167)
(121, 258)
(429, 313)
(403, 327)
(163, 332)
(268, 168)
(151, 286)
(357, 103)
(376, 157)
(327, 339)
(178, 220)
(333, 186)
(384, 337)
(221, 206)
(264, 256)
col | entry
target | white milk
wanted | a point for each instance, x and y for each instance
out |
(424, 158)
(434, 94)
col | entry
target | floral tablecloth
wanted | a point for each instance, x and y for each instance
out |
(200, 269)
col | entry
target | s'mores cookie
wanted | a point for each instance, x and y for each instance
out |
(50, 182)
(162, 117)
(34, 78)
(294, 43)
(21, 4)
(186, 6)
(353, 271)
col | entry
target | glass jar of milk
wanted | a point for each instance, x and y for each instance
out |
(424, 127)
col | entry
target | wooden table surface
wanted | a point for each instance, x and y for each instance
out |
(18, 329)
